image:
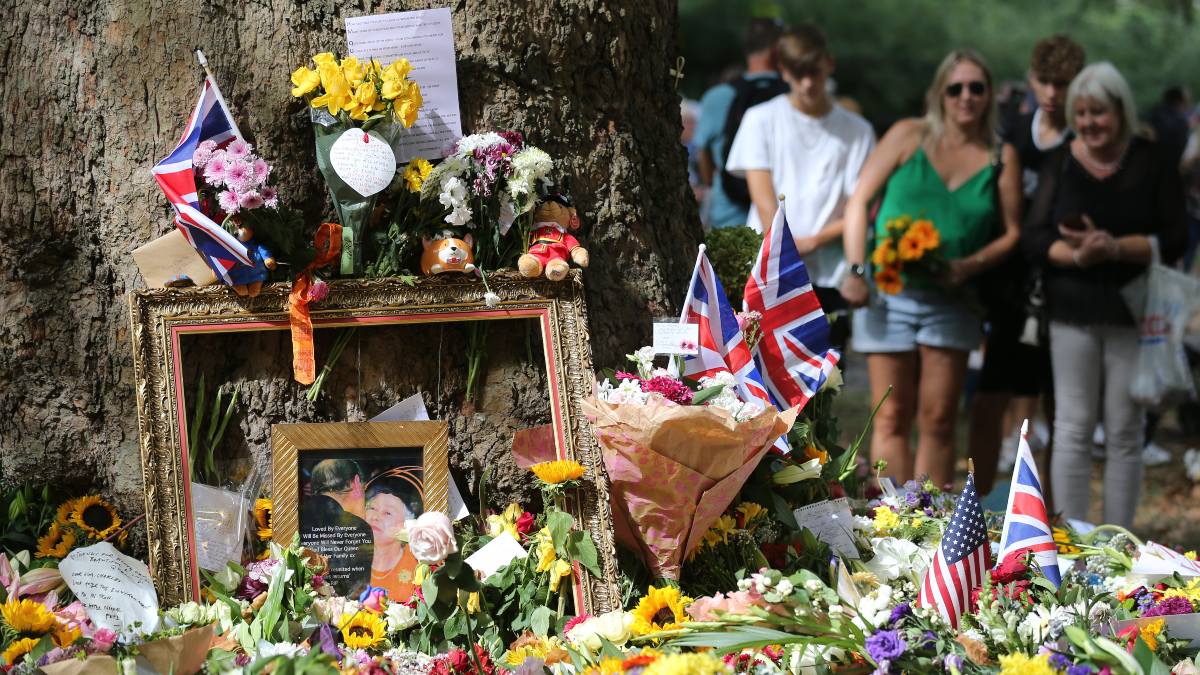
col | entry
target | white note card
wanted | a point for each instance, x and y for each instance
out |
(830, 524)
(496, 554)
(116, 590)
(676, 339)
(412, 409)
(363, 160)
(426, 38)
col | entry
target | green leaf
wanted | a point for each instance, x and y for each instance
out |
(539, 621)
(1043, 582)
(1118, 653)
(736, 639)
(700, 397)
(581, 548)
(847, 463)
(559, 524)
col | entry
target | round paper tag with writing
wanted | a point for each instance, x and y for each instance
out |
(365, 162)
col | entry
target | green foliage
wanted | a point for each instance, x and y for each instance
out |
(287, 234)
(887, 50)
(732, 251)
(206, 430)
(25, 512)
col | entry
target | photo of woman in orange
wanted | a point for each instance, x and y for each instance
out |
(391, 501)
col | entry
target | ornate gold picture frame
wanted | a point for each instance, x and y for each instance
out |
(347, 486)
(161, 317)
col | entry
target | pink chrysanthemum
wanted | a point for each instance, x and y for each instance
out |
(201, 156)
(270, 197)
(214, 170)
(228, 199)
(250, 200)
(670, 388)
(261, 170)
(238, 149)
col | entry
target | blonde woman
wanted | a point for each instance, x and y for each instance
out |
(1105, 202)
(946, 167)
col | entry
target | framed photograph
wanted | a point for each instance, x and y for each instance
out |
(349, 489)
(197, 348)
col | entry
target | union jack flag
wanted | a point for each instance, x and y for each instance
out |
(1026, 527)
(961, 559)
(793, 355)
(721, 346)
(210, 121)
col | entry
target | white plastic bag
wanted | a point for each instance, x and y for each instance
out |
(1163, 302)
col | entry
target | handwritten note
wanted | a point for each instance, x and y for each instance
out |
(116, 589)
(677, 339)
(1156, 560)
(364, 160)
(831, 523)
(426, 38)
(496, 554)
(412, 409)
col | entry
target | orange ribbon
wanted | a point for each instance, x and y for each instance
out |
(328, 242)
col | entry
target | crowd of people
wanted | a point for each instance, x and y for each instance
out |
(1046, 201)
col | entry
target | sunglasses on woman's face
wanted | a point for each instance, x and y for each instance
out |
(975, 87)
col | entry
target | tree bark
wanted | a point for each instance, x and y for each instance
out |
(95, 93)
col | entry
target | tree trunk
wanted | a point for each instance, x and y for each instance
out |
(95, 93)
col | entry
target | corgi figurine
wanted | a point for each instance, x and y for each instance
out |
(447, 253)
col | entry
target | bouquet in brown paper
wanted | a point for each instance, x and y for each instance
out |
(676, 456)
(182, 654)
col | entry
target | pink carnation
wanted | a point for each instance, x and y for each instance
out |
(670, 388)
(738, 602)
(102, 641)
(318, 291)
(228, 199)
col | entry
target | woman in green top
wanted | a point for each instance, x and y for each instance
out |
(942, 168)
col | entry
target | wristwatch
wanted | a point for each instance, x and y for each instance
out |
(858, 270)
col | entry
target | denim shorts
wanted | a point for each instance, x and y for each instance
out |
(927, 317)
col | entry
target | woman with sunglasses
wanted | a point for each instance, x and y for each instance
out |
(946, 167)
(1106, 202)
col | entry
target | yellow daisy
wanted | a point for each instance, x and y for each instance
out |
(607, 666)
(17, 649)
(27, 617)
(364, 630)
(55, 543)
(558, 471)
(97, 518)
(1021, 664)
(1150, 632)
(660, 609)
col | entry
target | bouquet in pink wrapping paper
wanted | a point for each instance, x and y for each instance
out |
(677, 455)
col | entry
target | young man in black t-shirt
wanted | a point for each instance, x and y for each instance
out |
(1013, 372)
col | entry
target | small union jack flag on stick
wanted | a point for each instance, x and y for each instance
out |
(1026, 527)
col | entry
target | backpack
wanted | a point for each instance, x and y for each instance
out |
(747, 92)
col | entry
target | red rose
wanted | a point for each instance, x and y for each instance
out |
(1013, 568)
(525, 523)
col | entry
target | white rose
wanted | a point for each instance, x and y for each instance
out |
(399, 617)
(895, 556)
(431, 537)
(614, 626)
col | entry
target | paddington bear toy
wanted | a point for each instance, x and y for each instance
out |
(247, 280)
(551, 244)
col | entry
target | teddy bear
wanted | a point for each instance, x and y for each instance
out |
(247, 280)
(551, 243)
(447, 253)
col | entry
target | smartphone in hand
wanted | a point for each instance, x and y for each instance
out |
(1074, 222)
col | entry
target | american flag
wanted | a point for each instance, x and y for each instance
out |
(793, 355)
(721, 346)
(961, 559)
(1026, 527)
(210, 121)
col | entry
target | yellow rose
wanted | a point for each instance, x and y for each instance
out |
(398, 69)
(353, 70)
(561, 569)
(365, 94)
(337, 90)
(545, 550)
(324, 58)
(305, 80)
(405, 108)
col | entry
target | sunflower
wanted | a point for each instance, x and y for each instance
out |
(65, 635)
(607, 666)
(887, 280)
(364, 630)
(911, 247)
(27, 617)
(64, 513)
(55, 543)
(660, 609)
(262, 517)
(558, 471)
(16, 650)
(686, 664)
(97, 518)
(1063, 538)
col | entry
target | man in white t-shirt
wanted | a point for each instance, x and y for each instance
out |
(808, 148)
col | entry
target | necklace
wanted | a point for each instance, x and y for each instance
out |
(1102, 167)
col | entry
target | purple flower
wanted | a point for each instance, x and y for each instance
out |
(953, 662)
(514, 139)
(1080, 669)
(270, 197)
(318, 291)
(242, 659)
(1170, 606)
(885, 645)
(239, 149)
(229, 201)
(899, 612)
(249, 589)
(1059, 661)
(250, 200)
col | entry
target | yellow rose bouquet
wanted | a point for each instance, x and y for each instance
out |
(358, 110)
